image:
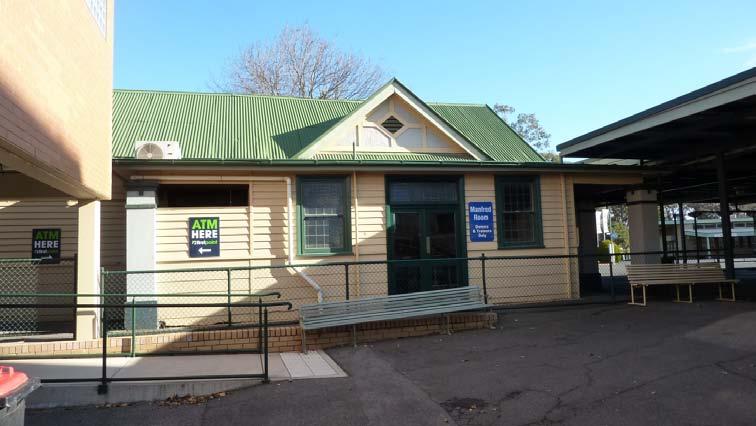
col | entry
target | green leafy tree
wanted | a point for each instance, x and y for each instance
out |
(530, 130)
(619, 227)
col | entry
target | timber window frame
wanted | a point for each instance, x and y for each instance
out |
(508, 212)
(322, 237)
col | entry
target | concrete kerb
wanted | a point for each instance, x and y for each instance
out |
(283, 367)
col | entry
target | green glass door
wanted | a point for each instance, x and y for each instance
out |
(441, 243)
(421, 240)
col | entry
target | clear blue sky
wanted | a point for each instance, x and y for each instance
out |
(577, 65)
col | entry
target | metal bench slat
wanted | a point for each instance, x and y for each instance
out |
(382, 302)
(357, 313)
(348, 320)
(388, 310)
(377, 316)
(417, 295)
(390, 307)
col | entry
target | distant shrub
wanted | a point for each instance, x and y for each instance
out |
(603, 251)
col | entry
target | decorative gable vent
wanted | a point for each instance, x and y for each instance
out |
(157, 150)
(392, 124)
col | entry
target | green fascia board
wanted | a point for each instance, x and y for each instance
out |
(482, 165)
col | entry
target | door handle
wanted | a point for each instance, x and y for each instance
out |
(427, 245)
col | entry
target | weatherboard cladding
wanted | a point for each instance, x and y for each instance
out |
(251, 127)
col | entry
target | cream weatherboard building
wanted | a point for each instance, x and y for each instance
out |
(56, 80)
(307, 182)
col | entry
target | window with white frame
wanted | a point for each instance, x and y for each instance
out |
(323, 204)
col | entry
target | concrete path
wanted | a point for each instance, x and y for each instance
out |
(282, 366)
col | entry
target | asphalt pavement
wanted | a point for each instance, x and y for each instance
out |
(672, 364)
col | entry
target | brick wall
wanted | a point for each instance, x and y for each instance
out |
(281, 339)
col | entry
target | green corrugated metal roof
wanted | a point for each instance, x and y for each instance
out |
(486, 130)
(392, 156)
(253, 127)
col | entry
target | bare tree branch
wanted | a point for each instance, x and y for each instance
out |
(301, 63)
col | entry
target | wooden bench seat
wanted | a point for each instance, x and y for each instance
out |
(690, 274)
(352, 312)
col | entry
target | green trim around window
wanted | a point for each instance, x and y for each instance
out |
(347, 208)
(535, 181)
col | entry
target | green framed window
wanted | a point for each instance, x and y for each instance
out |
(518, 212)
(323, 206)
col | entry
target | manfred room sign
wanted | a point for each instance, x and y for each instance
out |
(481, 221)
(204, 236)
(46, 245)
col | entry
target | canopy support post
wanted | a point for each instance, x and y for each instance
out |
(724, 213)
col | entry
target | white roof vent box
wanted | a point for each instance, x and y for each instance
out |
(157, 150)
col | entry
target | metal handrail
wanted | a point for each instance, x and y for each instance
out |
(387, 261)
(223, 294)
(104, 380)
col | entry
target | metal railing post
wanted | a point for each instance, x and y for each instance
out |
(103, 387)
(228, 282)
(133, 327)
(76, 285)
(266, 378)
(259, 325)
(483, 275)
(611, 278)
(346, 279)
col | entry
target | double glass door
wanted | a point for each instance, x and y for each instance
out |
(420, 237)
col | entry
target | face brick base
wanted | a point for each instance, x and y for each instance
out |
(280, 338)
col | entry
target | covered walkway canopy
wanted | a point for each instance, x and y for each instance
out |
(704, 143)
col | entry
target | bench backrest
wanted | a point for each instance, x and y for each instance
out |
(396, 306)
(675, 272)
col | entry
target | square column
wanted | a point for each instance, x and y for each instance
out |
(88, 267)
(141, 210)
(643, 221)
(590, 278)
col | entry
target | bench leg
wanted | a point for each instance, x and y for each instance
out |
(632, 296)
(354, 335)
(304, 341)
(690, 294)
(732, 293)
(448, 324)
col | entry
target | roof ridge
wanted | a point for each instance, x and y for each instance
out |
(467, 104)
(255, 95)
(241, 95)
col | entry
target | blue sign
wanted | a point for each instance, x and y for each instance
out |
(481, 221)
(204, 236)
